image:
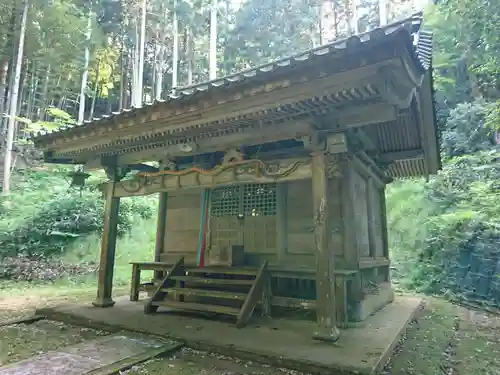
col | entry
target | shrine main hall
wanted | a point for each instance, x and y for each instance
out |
(271, 182)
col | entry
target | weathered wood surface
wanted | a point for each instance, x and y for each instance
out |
(108, 247)
(127, 363)
(159, 295)
(161, 268)
(256, 100)
(255, 295)
(25, 320)
(246, 171)
(161, 228)
(325, 258)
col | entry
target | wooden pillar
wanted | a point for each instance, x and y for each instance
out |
(385, 239)
(108, 246)
(161, 230)
(325, 275)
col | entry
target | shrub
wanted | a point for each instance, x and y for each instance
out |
(62, 219)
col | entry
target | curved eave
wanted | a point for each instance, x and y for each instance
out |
(261, 74)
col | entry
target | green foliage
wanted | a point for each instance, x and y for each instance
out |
(466, 131)
(493, 117)
(59, 118)
(54, 219)
(432, 225)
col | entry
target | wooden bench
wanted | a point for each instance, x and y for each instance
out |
(161, 267)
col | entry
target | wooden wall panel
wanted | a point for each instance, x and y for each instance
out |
(335, 217)
(376, 238)
(299, 210)
(183, 225)
(359, 190)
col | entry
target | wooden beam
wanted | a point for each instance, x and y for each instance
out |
(108, 247)
(169, 122)
(388, 157)
(325, 262)
(291, 130)
(361, 115)
(25, 320)
(365, 170)
(129, 362)
(425, 107)
(247, 171)
(250, 135)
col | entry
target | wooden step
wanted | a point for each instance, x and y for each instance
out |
(206, 293)
(197, 307)
(223, 271)
(212, 281)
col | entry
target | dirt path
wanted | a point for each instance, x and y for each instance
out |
(449, 340)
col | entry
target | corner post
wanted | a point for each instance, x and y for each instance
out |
(161, 230)
(325, 262)
(108, 241)
(108, 246)
(161, 222)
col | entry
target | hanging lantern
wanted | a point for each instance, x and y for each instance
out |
(78, 178)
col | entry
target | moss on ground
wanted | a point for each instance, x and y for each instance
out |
(21, 341)
(446, 339)
(192, 362)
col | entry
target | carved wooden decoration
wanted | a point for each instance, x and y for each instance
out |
(335, 165)
(231, 156)
(245, 171)
(169, 164)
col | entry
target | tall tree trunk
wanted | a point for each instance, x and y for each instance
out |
(95, 91)
(140, 71)
(85, 73)
(7, 66)
(4, 73)
(175, 47)
(321, 16)
(213, 41)
(13, 106)
(44, 99)
(135, 69)
(22, 85)
(31, 92)
(62, 98)
(189, 55)
(382, 9)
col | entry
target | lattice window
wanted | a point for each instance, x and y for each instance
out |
(225, 201)
(259, 199)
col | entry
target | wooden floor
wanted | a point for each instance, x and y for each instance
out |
(284, 343)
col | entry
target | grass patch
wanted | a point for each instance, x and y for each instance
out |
(138, 245)
(478, 343)
(193, 362)
(427, 341)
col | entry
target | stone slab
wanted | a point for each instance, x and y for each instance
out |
(83, 357)
(363, 349)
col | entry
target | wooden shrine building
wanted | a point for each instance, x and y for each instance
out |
(272, 179)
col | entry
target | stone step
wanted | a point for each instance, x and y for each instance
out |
(197, 307)
(206, 293)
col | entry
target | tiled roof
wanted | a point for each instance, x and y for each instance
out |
(422, 45)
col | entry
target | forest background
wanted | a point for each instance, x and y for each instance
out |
(69, 61)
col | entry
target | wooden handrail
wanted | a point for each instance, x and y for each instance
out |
(254, 296)
(159, 295)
